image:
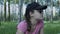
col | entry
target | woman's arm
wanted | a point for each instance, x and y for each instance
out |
(19, 32)
(41, 31)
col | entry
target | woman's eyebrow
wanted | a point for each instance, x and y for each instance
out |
(40, 11)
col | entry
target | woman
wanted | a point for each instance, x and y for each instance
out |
(33, 23)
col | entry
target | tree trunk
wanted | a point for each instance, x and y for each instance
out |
(51, 11)
(8, 10)
(59, 11)
(20, 9)
(4, 10)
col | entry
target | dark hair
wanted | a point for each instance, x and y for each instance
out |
(27, 17)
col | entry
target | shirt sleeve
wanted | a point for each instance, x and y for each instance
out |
(22, 26)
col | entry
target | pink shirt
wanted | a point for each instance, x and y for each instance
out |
(23, 27)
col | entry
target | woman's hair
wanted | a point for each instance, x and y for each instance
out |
(27, 18)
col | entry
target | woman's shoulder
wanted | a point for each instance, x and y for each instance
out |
(22, 26)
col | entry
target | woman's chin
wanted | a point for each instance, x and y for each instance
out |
(39, 19)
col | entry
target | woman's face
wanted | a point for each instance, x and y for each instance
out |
(36, 14)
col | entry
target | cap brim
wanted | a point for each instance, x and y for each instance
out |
(41, 7)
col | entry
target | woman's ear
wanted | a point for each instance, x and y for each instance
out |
(31, 14)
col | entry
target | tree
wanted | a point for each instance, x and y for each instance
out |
(20, 9)
(59, 10)
(59, 6)
(4, 10)
(9, 10)
(51, 11)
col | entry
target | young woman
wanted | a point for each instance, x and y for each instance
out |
(33, 23)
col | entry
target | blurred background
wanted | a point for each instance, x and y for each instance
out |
(12, 12)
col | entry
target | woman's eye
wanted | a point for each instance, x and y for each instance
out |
(40, 11)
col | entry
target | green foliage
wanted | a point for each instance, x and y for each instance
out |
(0, 23)
(15, 1)
(58, 3)
(26, 1)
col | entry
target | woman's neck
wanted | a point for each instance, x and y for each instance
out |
(33, 21)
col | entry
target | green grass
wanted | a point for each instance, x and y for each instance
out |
(52, 28)
(10, 28)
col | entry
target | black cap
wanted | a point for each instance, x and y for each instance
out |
(36, 6)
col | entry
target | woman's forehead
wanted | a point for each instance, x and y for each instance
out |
(38, 10)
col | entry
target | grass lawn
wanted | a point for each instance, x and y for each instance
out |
(50, 28)
(10, 28)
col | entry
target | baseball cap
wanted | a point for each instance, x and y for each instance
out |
(36, 6)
